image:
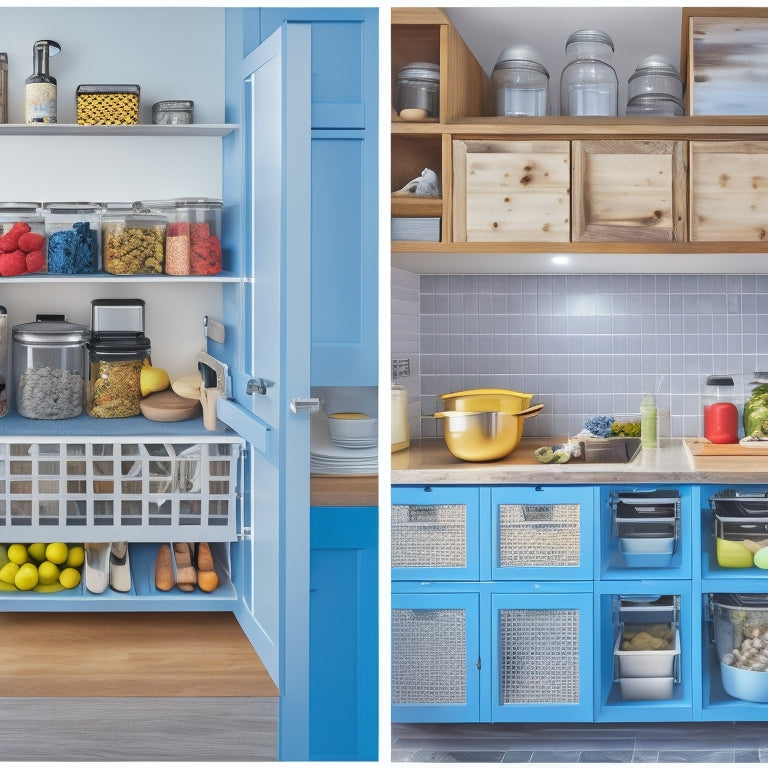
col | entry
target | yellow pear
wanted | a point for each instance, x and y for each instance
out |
(153, 380)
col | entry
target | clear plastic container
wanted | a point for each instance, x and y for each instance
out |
(74, 237)
(194, 239)
(48, 366)
(23, 244)
(133, 242)
(588, 83)
(520, 83)
(417, 87)
(113, 389)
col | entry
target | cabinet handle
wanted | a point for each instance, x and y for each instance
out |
(256, 387)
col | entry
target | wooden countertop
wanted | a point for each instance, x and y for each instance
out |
(428, 461)
(344, 491)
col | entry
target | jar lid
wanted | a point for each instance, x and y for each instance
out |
(589, 36)
(50, 332)
(73, 207)
(656, 65)
(19, 207)
(533, 66)
(197, 202)
(518, 52)
(118, 342)
(649, 99)
(420, 70)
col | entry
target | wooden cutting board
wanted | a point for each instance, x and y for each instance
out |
(699, 446)
(168, 406)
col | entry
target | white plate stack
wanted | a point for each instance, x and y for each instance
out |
(343, 444)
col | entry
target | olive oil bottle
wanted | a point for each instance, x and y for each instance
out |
(40, 86)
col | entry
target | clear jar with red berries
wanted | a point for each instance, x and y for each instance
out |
(23, 242)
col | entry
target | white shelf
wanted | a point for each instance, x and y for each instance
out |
(106, 277)
(69, 129)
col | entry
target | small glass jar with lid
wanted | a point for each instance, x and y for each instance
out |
(132, 240)
(115, 360)
(23, 244)
(417, 91)
(588, 83)
(520, 83)
(74, 237)
(48, 366)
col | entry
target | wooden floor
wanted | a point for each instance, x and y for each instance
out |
(128, 654)
(133, 687)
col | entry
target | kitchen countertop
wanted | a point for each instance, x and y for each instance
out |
(428, 461)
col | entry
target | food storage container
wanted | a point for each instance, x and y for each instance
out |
(722, 400)
(193, 240)
(115, 360)
(117, 316)
(48, 368)
(520, 83)
(655, 105)
(741, 527)
(417, 88)
(132, 241)
(108, 104)
(741, 640)
(74, 237)
(647, 647)
(646, 526)
(588, 83)
(3, 361)
(173, 112)
(655, 75)
(22, 239)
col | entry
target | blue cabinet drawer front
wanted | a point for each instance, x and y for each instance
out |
(435, 533)
(542, 532)
(435, 648)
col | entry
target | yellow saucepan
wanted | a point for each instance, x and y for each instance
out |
(484, 435)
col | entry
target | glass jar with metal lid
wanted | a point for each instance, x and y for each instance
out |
(520, 83)
(132, 240)
(74, 237)
(48, 368)
(588, 83)
(173, 112)
(417, 91)
(655, 88)
(23, 245)
(115, 360)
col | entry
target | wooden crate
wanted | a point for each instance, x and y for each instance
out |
(629, 191)
(729, 191)
(511, 191)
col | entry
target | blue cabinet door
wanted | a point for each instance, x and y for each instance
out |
(343, 634)
(268, 354)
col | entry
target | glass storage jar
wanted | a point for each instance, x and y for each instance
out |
(3, 361)
(74, 237)
(22, 239)
(588, 83)
(48, 368)
(115, 360)
(655, 105)
(417, 89)
(520, 83)
(173, 112)
(193, 241)
(132, 241)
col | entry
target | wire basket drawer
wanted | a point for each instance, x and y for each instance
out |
(85, 489)
(429, 536)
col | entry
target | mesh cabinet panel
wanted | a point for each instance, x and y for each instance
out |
(429, 659)
(532, 535)
(432, 536)
(539, 656)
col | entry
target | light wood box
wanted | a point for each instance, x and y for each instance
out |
(629, 191)
(729, 191)
(511, 191)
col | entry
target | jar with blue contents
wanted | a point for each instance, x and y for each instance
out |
(74, 237)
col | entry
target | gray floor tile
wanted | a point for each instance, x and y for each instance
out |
(458, 756)
(606, 756)
(645, 756)
(695, 756)
(552, 756)
(517, 756)
(746, 756)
